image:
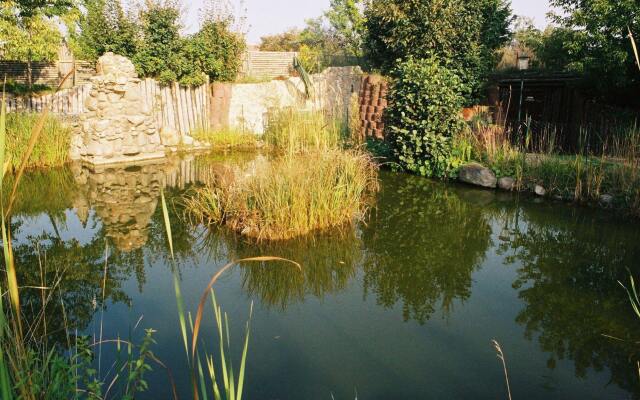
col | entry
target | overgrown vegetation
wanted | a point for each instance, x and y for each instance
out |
(462, 35)
(424, 117)
(153, 41)
(291, 196)
(293, 131)
(313, 184)
(228, 139)
(51, 150)
(612, 170)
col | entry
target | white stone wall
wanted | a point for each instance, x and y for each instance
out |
(251, 103)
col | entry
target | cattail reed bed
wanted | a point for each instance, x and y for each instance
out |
(292, 196)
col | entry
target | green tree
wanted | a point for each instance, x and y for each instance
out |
(347, 20)
(286, 41)
(104, 27)
(28, 31)
(600, 46)
(160, 48)
(463, 35)
(220, 50)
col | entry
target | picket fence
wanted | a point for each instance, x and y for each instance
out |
(179, 108)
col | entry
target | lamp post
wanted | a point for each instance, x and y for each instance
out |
(523, 65)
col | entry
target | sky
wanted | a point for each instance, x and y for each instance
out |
(266, 17)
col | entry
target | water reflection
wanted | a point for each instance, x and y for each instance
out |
(422, 245)
(569, 266)
(421, 250)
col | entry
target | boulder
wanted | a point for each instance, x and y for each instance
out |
(606, 200)
(506, 183)
(477, 174)
(540, 190)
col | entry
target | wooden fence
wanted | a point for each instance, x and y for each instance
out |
(267, 64)
(48, 73)
(65, 102)
(182, 109)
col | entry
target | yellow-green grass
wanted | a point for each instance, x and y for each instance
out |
(292, 196)
(579, 177)
(228, 139)
(51, 149)
(294, 131)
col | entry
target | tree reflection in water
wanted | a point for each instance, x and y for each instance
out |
(569, 265)
(422, 245)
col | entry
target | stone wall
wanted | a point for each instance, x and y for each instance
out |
(250, 104)
(117, 126)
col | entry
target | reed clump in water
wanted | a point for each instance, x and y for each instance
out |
(292, 196)
(52, 148)
(292, 131)
(228, 139)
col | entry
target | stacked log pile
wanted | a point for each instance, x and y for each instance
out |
(373, 101)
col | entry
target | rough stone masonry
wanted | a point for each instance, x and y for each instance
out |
(117, 126)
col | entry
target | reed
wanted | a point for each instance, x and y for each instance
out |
(228, 139)
(293, 131)
(51, 150)
(292, 196)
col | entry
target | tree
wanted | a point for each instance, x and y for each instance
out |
(28, 31)
(600, 46)
(424, 115)
(214, 51)
(104, 27)
(286, 41)
(160, 47)
(462, 35)
(347, 20)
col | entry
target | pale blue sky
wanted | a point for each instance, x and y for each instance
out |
(273, 16)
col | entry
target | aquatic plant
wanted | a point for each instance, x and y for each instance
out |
(30, 366)
(293, 131)
(51, 150)
(227, 139)
(291, 196)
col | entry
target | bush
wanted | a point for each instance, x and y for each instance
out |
(424, 116)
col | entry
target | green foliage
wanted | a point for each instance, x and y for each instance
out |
(285, 41)
(347, 20)
(463, 35)
(105, 27)
(599, 44)
(51, 150)
(424, 115)
(215, 50)
(29, 35)
(161, 43)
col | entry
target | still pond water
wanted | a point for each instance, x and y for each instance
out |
(402, 307)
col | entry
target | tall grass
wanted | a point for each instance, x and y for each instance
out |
(293, 131)
(291, 197)
(52, 148)
(584, 176)
(228, 139)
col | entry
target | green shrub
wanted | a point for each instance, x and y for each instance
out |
(423, 117)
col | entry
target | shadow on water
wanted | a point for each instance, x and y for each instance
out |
(422, 253)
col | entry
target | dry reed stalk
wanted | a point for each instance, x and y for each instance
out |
(500, 355)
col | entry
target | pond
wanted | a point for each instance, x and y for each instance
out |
(403, 306)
